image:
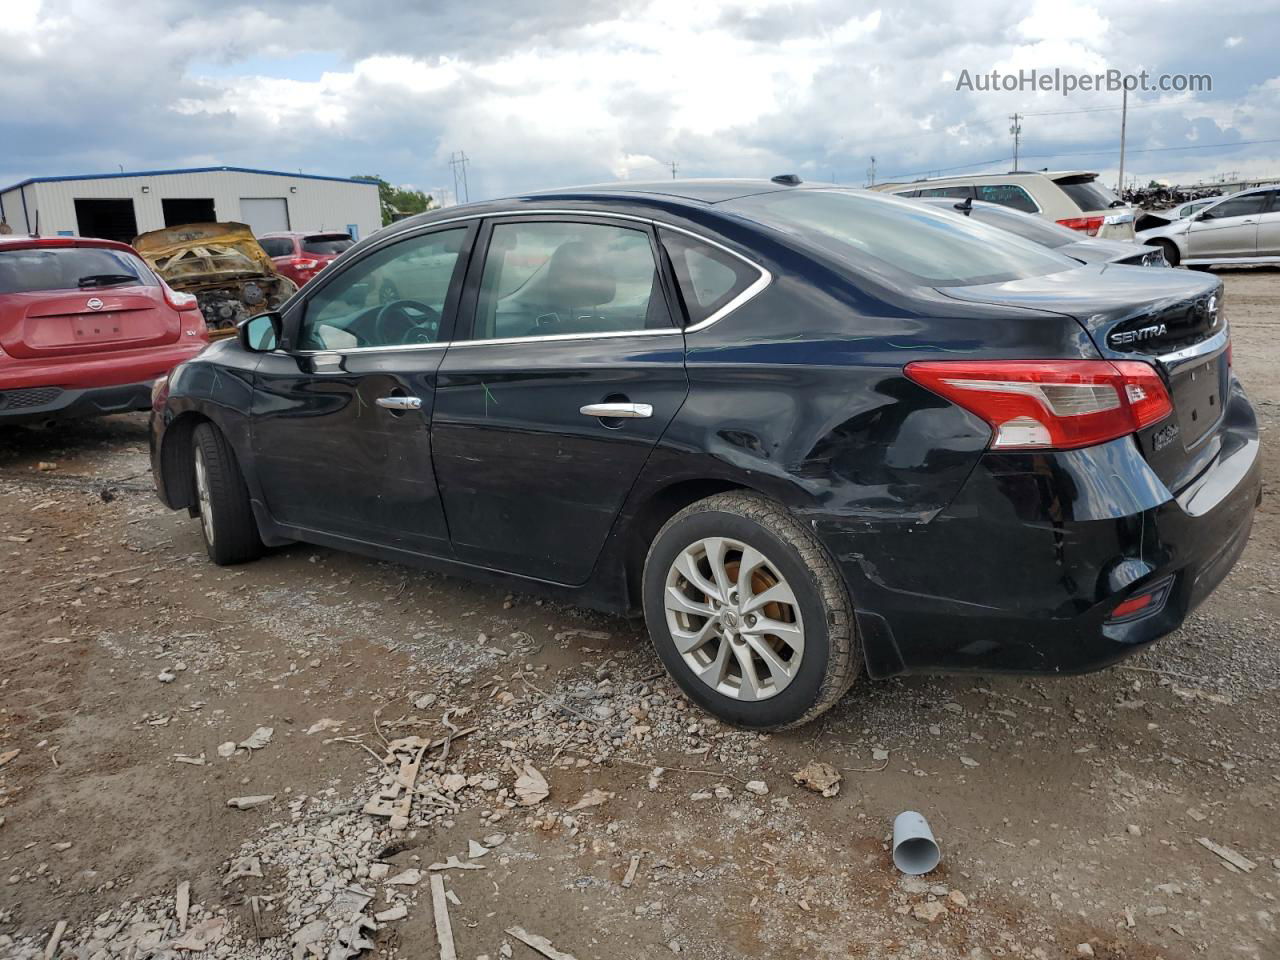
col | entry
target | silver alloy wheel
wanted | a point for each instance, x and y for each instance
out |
(734, 619)
(202, 495)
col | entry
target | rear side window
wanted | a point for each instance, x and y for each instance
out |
(277, 246)
(709, 278)
(1089, 194)
(958, 192)
(71, 268)
(328, 243)
(1007, 195)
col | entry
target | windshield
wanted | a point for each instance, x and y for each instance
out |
(1089, 195)
(70, 268)
(890, 235)
(328, 243)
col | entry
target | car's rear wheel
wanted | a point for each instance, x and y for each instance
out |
(748, 612)
(222, 499)
(1170, 252)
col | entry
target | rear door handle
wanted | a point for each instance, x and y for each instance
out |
(629, 411)
(400, 403)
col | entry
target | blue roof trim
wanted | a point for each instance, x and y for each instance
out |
(158, 173)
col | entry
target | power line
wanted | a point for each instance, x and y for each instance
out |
(1112, 153)
(458, 161)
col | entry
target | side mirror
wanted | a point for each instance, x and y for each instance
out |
(1203, 215)
(260, 334)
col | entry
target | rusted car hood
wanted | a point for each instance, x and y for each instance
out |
(198, 253)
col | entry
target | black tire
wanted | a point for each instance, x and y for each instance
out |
(226, 519)
(832, 653)
(1170, 252)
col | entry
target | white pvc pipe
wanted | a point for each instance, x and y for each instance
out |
(915, 852)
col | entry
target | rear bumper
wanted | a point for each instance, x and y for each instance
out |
(1021, 572)
(38, 404)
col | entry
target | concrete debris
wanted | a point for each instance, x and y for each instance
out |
(51, 948)
(8, 755)
(452, 782)
(201, 936)
(453, 863)
(820, 777)
(592, 798)
(227, 749)
(353, 939)
(495, 840)
(541, 944)
(194, 761)
(248, 803)
(182, 904)
(323, 726)
(476, 850)
(758, 787)
(406, 878)
(444, 929)
(244, 867)
(930, 911)
(630, 878)
(531, 786)
(425, 701)
(257, 740)
(1227, 854)
(395, 799)
(398, 912)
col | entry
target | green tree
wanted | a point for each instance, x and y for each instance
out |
(398, 202)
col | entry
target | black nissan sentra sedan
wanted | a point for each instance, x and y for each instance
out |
(808, 431)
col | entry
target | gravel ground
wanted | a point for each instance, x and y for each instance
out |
(138, 684)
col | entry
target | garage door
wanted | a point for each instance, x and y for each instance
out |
(265, 214)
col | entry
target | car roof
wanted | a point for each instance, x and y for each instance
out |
(1054, 175)
(704, 191)
(22, 241)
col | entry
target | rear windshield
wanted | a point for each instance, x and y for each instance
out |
(890, 235)
(1027, 226)
(1089, 195)
(71, 268)
(328, 243)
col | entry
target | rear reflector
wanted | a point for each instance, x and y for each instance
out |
(1141, 605)
(1050, 404)
(1086, 225)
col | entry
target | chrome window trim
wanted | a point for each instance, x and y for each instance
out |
(751, 291)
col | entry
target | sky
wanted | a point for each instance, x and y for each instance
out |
(564, 92)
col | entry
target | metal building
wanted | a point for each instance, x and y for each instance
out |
(119, 206)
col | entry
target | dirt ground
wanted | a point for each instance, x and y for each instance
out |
(1069, 811)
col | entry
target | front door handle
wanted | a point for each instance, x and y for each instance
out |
(628, 411)
(400, 403)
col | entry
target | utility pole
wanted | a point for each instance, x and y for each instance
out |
(1124, 117)
(458, 162)
(871, 173)
(674, 166)
(1016, 130)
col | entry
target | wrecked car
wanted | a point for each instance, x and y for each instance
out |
(230, 275)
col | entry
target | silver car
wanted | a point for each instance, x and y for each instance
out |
(1241, 228)
(1051, 235)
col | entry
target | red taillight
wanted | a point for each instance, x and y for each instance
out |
(1050, 404)
(303, 263)
(1087, 225)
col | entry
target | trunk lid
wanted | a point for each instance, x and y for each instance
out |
(62, 323)
(1172, 319)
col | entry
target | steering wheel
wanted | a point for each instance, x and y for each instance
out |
(394, 323)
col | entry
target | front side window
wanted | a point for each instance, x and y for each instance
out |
(1007, 195)
(709, 278)
(393, 297)
(908, 241)
(1246, 206)
(545, 278)
(71, 268)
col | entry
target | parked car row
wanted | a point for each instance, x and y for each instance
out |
(809, 432)
(1242, 228)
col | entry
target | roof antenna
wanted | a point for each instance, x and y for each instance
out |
(965, 206)
(787, 179)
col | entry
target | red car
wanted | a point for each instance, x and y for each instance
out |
(85, 328)
(300, 256)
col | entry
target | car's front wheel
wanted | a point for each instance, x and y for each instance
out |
(222, 499)
(1171, 254)
(748, 612)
